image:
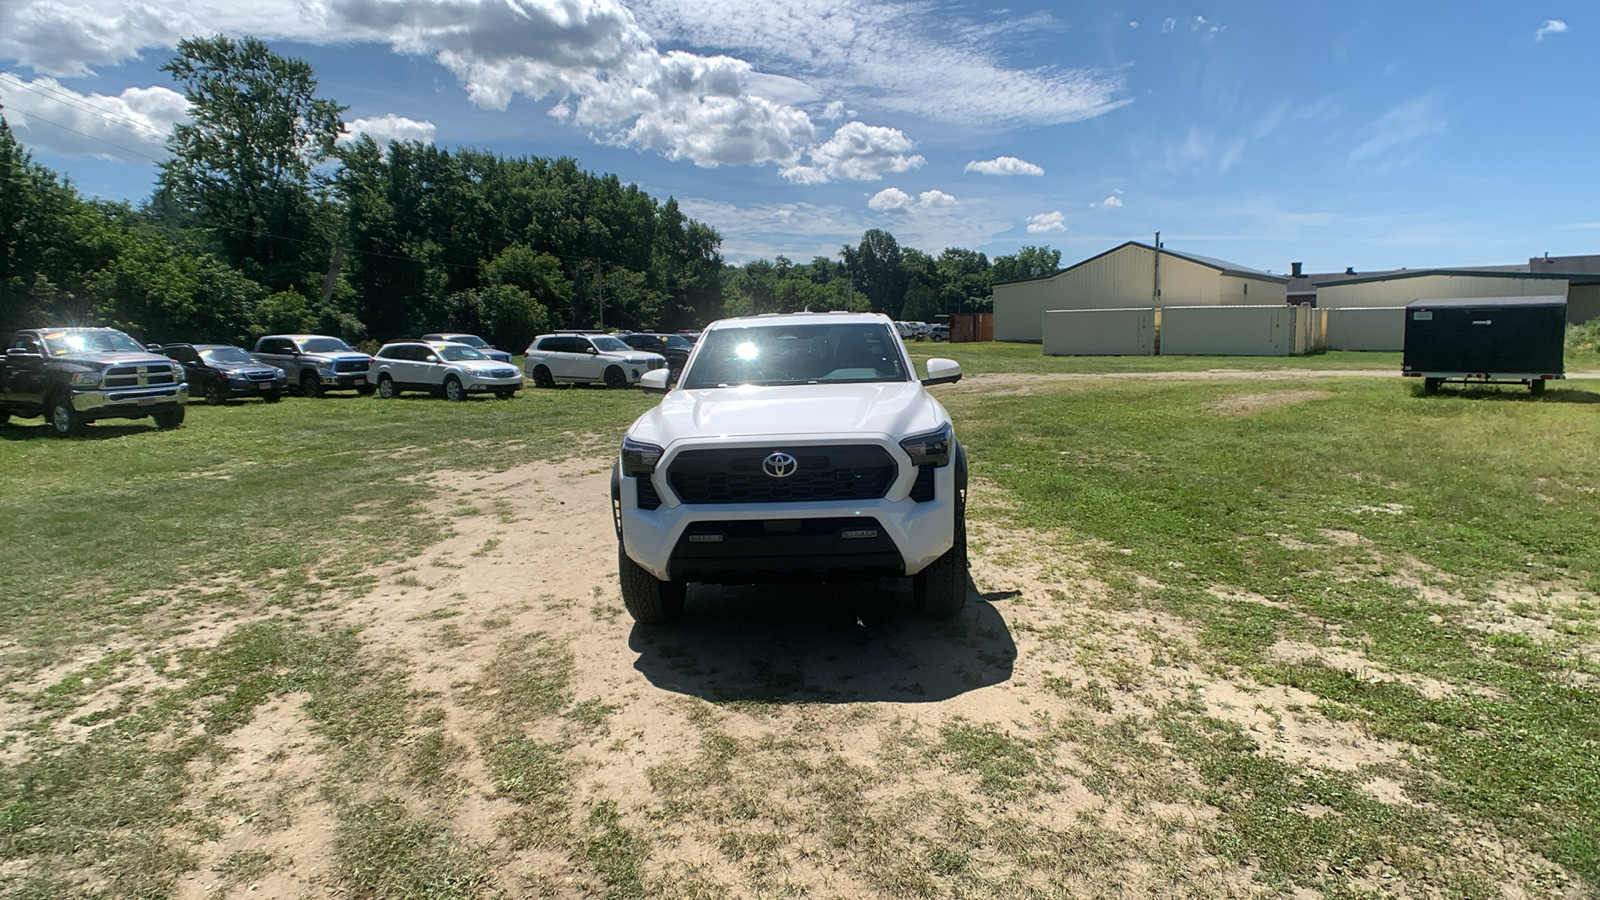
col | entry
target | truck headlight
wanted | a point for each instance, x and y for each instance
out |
(931, 448)
(638, 457)
(85, 379)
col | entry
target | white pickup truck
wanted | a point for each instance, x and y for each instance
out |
(797, 447)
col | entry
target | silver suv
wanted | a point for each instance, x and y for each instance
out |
(585, 358)
(316, 362)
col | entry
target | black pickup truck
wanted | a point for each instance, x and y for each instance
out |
(74, 376)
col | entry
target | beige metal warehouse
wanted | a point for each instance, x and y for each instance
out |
(1390, 289)
(1132, 275)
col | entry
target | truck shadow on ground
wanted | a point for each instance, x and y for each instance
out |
(824, 643)
(12, 431)
(1512, 393)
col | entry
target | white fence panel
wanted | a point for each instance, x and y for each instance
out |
(1100, 332)
(1228, 331)
(1370, 328)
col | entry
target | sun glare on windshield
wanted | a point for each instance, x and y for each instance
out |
(747, 351)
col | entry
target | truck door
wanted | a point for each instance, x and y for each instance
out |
(25, 371)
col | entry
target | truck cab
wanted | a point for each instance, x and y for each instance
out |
(75, 376)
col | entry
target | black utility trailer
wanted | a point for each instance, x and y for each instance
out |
(1485, 340)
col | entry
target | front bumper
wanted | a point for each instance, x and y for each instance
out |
(478, 384)
(256, 388)
(782, 541)
(131, 403)
(343, 380)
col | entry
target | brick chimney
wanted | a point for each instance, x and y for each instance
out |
(1294, 270)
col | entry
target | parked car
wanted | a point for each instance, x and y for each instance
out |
(471, 340)
(447, 369)
(74, 376)
(585, 358)
(939, 332)
(219, 372)
(918, 329)
(906, 332)
(674, 347)
(829, 461)
(315, 363)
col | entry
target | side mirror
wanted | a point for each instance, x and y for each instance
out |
(433, 357)
(654, 381)
(593, 352)
(153, 348)
(20, 353)
(942, 371)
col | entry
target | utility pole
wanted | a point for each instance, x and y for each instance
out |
(1157, 285)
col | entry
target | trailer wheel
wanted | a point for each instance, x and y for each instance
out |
(1431, 385)
(1536, 386)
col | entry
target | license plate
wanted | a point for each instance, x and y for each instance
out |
(147, 401)
(361, 381)
(266, 385)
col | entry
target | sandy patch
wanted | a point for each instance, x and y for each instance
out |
(1240, 405)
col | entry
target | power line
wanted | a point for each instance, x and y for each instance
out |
(84, 106)
(91, 137)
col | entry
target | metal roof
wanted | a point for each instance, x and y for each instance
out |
(1223, 266)
(1468, 302)
(1485, 272)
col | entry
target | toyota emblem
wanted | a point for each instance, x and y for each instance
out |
(779, 465)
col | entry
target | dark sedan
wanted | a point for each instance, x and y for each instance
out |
(218, 372)
(675, 347)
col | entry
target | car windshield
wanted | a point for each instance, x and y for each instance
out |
(225, 356)
(609, 344)
(457, 353)
(796, 354)
(676, 341)
(96, 340)
(471, 340)
(324, 345)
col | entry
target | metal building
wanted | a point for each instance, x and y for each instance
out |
(1132, 275)
(1390, 289)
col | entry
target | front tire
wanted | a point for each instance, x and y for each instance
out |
(213, 393)
(386, 388)
(649, 600)
(453, 390)
(168, 419)
(1431, 385)
(616, 378)
(941, 588)
(310, 384)
(1536, 386)
(542, 377)
(64, 420)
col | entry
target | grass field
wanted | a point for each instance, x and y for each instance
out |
(1231, 637)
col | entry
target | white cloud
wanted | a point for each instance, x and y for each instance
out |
(1004, 165)
(1200, 24)
(1168, 25)
(1401, 126)
(891, 200)
(1133, 24)
(132, 126)
(833, 112)
(389, 127)
(904, 57)
(857, 152)
(1047, 223)
(1112, 202)
(936, 200)
(1550, 26)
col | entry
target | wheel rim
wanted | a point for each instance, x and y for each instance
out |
(452, 389)
(615, 378)
(386, 389)
(308, 385)
(541, 377)
(61, 418)
(213, 394)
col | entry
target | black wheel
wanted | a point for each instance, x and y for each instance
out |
(64, 420)
(214, 395)
(168, 419)
(505, 395)
(941, 588)
(4, 417)
(616, 378)
(365, 390)
(386, 388)
(310, 384)
(649, 600)
(272, 397)
(1431, 385)
(542, 378)
(1536, 386)
(453, 389)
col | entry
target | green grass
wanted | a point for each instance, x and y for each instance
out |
(995, 357)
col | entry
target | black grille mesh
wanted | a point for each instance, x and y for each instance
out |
(922, 489)
(648, 498)
(849, 472)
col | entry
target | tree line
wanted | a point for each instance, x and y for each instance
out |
(262, 221)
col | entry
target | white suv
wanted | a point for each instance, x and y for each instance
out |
(441, 367)
(794, 447)
(587, 358)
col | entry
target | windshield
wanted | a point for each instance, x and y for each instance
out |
(609, 345)
(796, 354)
(226, 356)
(96, 340)
(676, 341)
(471, 340)
(457, 353)
(324, 345)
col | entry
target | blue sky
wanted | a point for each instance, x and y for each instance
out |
(1372, 135)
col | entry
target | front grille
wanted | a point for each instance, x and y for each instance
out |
(648, 498)
(262, 376)
(350, 365)
(657, 363)
(922, 489)
(131, 376)
(851, 472)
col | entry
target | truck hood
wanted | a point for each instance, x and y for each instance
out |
(894, 409)
(337, 354)
(101, 360)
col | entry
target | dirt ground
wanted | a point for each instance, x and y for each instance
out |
(814, 741)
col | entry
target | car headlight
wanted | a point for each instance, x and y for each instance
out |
(281, 373)
(931, 448)
(85, 379)
(638, 457)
